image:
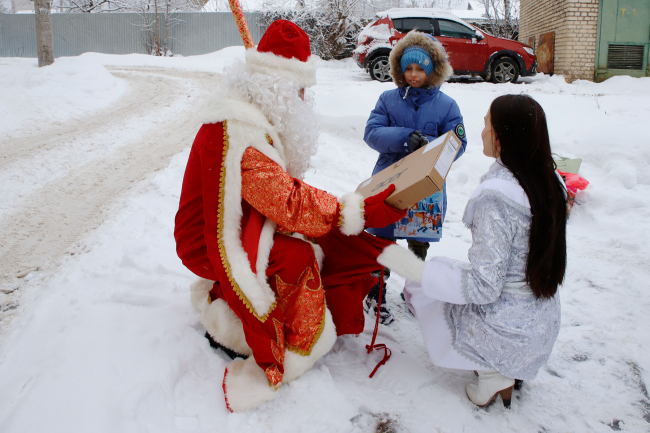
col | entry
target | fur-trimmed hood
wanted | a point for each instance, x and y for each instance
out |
(442, 70)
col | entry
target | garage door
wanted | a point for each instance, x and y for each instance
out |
(623, 38)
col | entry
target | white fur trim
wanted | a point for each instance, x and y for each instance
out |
(442, 280)
(257, 290)
(220, 109)
(402, 261)
(224, 327)
(352, 213)
(303, 73)
(296, 365)
(199, 293)
(264, 250)
(510, 190)
(219, 320)
(246, 386)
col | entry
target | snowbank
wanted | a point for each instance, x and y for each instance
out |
(212, 62)
(32, 97)
(73, 87)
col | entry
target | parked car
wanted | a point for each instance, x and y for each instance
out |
(471, 50)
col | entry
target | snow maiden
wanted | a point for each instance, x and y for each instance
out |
(499, 314)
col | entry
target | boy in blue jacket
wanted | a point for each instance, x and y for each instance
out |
(404, 120)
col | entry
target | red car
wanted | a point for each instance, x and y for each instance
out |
(471, 50)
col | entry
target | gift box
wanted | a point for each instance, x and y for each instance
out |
(416, 176)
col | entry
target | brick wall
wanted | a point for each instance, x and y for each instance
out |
(575, 23)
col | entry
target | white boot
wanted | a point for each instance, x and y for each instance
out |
(245, 386)
(490, 384)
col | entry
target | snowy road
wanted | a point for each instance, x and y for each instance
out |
(106, 340)
(59, 182)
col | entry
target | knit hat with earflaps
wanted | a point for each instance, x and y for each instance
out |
(441, 71)
(284, 51)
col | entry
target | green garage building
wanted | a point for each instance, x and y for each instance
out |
(593, 39)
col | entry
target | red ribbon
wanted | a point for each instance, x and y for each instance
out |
(372, 346)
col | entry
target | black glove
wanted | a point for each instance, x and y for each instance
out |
(417, 140)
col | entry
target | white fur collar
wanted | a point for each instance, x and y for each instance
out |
(221, 108)
(500, 181)
(246, 127)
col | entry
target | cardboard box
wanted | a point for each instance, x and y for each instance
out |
(416, 176)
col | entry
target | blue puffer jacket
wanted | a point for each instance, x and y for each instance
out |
(429, 111)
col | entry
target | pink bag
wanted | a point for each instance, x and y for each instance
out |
(573, 183)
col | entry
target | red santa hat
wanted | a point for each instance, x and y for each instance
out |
(284, 51)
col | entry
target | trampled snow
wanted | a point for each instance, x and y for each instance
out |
(109, 342)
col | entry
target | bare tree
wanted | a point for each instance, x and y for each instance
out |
(4, 7)
(503, 17)
(341, 14)
(332, 25)
(368, 8)
(157, 17)
(94, 6)
(44, 38)
(441, 4)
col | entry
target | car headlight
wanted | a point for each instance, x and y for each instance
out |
(529, 51)
(362, 39)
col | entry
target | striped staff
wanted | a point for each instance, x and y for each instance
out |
(244, 32)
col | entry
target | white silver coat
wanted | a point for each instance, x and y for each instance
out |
(494, 318)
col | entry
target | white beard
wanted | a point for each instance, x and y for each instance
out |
(278, 99)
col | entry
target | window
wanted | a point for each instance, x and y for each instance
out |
(405, 25)
(452, 29)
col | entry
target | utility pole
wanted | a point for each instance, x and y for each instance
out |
(44, 38)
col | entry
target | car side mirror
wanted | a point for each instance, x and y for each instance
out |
(479, 36)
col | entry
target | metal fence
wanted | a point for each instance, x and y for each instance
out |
(190, 33)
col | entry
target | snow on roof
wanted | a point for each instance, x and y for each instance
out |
(416, 13)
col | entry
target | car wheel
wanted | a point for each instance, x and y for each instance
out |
(380, 69)
(505, 70)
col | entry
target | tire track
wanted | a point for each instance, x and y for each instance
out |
(146, 96)
(155, 100)
(45, 224)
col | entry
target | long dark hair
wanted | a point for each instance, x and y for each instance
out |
(520, 125)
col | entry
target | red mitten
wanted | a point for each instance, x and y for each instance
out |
(378, 213)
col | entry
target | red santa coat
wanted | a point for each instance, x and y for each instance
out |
(264, 293)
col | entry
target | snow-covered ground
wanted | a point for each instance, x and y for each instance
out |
(105, 339)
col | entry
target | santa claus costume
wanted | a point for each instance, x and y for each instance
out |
(284, 266)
